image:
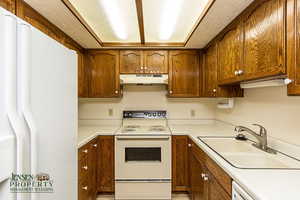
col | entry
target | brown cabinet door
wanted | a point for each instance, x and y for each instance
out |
(210, 77)
(184, 73)
(82, 76)
(215, 190)
(293, 46)
(210, 72)
(230, 49)
(106, 160)
(180, 181)
(92, 164)
(131, 61)
(104, 73)
(199, 189)
(264, 45)
(155, 62)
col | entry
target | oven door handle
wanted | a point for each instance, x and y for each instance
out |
(143, 138)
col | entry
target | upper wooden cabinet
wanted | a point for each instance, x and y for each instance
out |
(9, 5)
(184, 73)
(230, 49)
(131, 62)
(210, 77)
(264, 45)
(155, 62)
(104, 80)
(143, 62)
(82, 76)
(293, 46)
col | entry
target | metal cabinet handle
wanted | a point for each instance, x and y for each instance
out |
(85, 188)
(145, 67)
(240, 72)
(236, 72)
(189, 145)
(116, 91)
(214, 90)
(85, 167)
(171, 92)
(141, 67)
(85, 151)
(205, 178)
(95, 145)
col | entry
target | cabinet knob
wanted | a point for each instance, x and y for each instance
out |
(116, 91)
(145, 67)
(95, 145)
(141, 67)
(189, 145)
(85, 167)
(214, 90)
(205, 178)
(240, 72)
(236, 72)
(85, 151)
(171, 92)
(85, 188)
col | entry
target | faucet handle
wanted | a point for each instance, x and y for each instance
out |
(262, 131)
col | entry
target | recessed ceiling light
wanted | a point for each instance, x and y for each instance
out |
(171, 12)
(112, 11)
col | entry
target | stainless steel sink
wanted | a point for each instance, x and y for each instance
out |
(243, 155)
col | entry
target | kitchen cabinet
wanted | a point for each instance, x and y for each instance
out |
(210, 77)
(208, 180)
(180, 180)
(155, 61)
(293, 46)
(9, 5)
(131, 62)
(104, 80)
(87, 167)
(230, 49)
(264, 43)
(184, 73)
(82, 76)
(106, 162)
(143, 62)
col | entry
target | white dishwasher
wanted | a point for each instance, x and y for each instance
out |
(239, 193)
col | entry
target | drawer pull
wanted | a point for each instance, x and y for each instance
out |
(85, 167)
(95, 145)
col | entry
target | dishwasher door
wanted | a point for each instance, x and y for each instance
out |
(239, 193)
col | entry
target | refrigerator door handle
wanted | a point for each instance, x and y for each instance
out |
(24, 37)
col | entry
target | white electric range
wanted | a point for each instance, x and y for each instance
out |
(143, 156)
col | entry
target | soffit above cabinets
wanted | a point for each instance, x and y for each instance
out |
(141, 23)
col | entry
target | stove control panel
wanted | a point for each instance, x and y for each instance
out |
(145, 114)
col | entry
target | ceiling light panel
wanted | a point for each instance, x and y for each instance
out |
(171, 20)
(111, 20)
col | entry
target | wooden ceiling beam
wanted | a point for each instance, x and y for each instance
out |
(139, 10)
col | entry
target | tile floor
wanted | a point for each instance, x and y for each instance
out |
(174, 197)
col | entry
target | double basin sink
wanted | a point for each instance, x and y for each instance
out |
(243, 155)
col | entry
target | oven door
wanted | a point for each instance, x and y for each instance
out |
(143, 158)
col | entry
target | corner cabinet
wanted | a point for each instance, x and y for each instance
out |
(180, 178)
(293, 46)
(104, 80)
(210, 76)
(184, 73)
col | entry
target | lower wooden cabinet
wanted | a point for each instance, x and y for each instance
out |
(87, 167)
(207, 180)
(106, 164)
(180, 179)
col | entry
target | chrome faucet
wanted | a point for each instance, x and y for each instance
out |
(261, 137)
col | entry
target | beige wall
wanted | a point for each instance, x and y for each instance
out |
(270, 107)
(147, 97)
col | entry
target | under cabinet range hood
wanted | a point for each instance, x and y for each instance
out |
(144, 79)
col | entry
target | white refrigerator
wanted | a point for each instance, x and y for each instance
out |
(38, 112)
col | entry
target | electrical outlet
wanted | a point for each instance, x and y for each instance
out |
(193, 113)
(110, 112)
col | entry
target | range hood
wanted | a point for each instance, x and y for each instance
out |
(271, 82)
(144, 79)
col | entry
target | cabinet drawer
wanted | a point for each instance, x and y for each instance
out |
(83, 170)
(83, 152)
(83, 190)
